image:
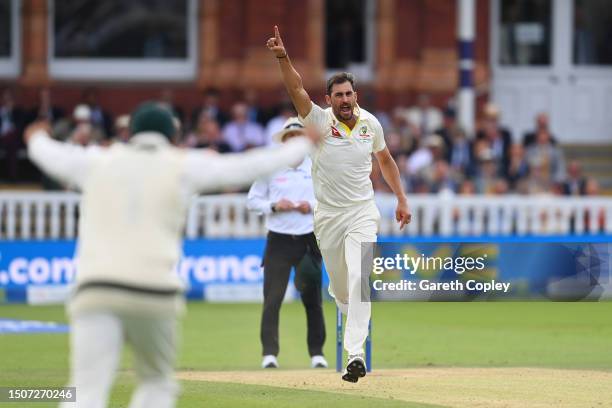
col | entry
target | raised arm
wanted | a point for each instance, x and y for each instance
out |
(291, 78)
(66, 163)
(207, 172)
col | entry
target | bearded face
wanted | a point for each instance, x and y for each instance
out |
(343, 100)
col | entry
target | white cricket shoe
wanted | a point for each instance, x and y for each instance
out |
(269, 361)
(318, 362)
(355, 368)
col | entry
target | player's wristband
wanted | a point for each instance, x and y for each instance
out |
(284, 56)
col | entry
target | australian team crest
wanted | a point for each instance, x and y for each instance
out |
(363, 133)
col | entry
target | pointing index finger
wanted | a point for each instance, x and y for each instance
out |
(276, 33)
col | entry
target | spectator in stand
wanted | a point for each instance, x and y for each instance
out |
(254, 112)
(450, 127)
(457, 146)
(122, 129)
(418, 165)
(441, 178)
(500, 187)
(467, 188)
(241, 133)
(547, 156)
(432, 150)
(539, 181)
(167, 98)
(207, 135)
(487, 171)
(99, 118)
(210, 106)
(84, 133)
(576, 183)
(275, 125)
(45, 110)
(394, 143)
(12, 122)
(518, 169)
(399, 124)
(542, 122)
(592, 187)
(498, 138)
(424, 116)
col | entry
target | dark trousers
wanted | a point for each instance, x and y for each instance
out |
(282, 253)
(11, 143)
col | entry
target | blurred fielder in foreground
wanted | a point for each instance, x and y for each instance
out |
(134, 202)
(346, 214)
(287, 198)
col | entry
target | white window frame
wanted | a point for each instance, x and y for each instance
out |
(126, 69)
(526, 70)
(10, 67)
(364, 72)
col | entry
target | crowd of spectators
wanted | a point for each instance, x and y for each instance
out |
(434, 154)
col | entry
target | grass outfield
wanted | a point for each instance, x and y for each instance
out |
(418, 336)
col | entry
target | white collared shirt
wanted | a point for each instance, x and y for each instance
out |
(293, 184)
(342, 162)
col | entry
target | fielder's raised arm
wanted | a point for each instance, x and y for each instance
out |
(66, 163)
(240, 169)
(291, 78)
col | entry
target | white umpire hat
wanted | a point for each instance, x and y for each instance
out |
(82, 113)
(122, 121)
(292, 124)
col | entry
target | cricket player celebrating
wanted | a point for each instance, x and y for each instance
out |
(133, 209)
(346, 214)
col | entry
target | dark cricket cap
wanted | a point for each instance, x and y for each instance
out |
(153, 117)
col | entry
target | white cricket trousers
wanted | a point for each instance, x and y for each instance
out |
(96, 342)
(340, 232)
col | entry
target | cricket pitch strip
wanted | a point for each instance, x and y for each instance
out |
(514, 387)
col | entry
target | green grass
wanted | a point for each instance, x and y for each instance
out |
(226, 337)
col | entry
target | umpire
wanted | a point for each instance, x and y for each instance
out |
(287, 197)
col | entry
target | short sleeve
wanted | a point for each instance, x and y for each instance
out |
(379, 137)
(316, 118)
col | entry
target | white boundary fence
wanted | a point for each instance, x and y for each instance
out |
(41, 215)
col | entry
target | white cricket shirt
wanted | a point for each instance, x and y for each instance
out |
(293, 184)
(342, 162)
